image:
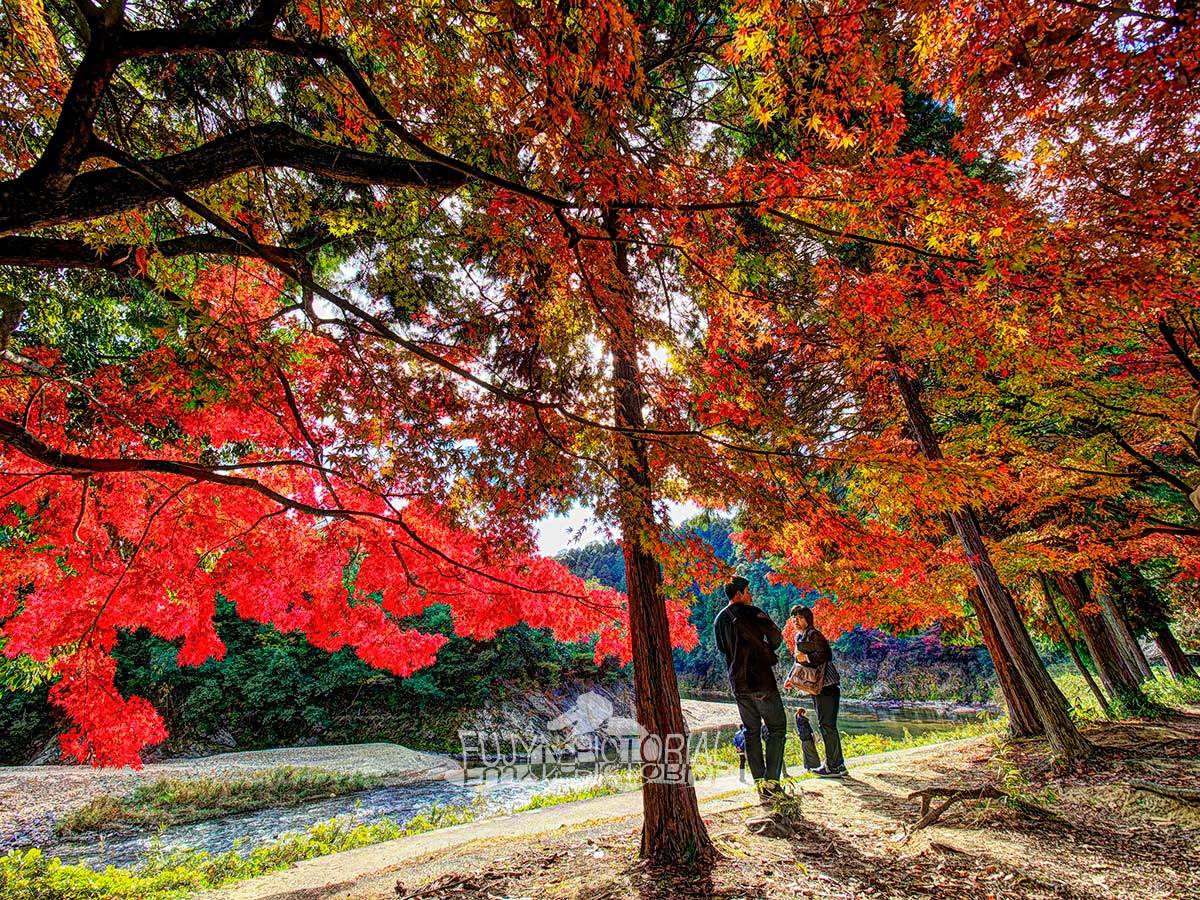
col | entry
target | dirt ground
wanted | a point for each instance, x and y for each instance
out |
(1080, 834)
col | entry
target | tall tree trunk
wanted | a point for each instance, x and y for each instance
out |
(1048, 701)
(1126, 642)
(1177, 662)
(1023, 721)
(1146, 611)
(1069, 641)
(1115, 668)
(672, 829)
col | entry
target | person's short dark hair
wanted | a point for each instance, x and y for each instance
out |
(736, 586)
(803, 611)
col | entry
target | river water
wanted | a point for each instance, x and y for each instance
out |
(401, 803)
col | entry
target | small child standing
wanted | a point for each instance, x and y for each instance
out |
(807, 740)
(783, 762)
(739, 744)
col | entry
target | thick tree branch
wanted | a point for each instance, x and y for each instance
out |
(107, 47)
(1158, 471)
(866, 239)
(68, 144)
(265, 146)
(1114, 9)
(65, 253)
(22, 441)
(67, 463)
(1182, 355)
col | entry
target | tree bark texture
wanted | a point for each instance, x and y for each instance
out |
(1023, 720)
(1104, 644)
(1069, 641)
(672, 829)
(1177, 661)
(1126, 639)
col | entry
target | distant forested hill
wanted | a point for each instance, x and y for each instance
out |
(873, 665)
(701, 668)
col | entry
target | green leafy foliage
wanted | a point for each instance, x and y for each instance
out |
(32, 875)
(274, 689)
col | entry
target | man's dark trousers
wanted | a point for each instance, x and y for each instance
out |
(756, 708)
(826, 705)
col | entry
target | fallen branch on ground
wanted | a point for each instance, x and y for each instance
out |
(952, 796)
(1171, 792)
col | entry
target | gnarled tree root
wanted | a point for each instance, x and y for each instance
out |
(1171, 792)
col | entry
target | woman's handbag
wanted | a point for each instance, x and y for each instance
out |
(809, 679)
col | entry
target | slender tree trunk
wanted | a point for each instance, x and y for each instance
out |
(1177, 662)
(1048, 701)
(1144, 604)
(1115, 669)
(1023, 721)
(1125, 636)
(1070, 641)
(672, 829)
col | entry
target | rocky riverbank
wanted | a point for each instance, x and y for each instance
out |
(33, 798)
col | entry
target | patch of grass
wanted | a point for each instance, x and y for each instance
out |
(31, 875)
(1079, 695)
(173, 801)
(1162, 693)
(1016, 786)
(788, 804)
(1169, 692)
(602, 787)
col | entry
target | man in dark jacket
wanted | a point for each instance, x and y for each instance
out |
(747, 638)
(812, 649)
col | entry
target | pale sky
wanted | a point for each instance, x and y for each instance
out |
(579, 527)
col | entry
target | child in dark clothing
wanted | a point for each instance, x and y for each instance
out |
(739, 744)
(782, 764)
(807, 740)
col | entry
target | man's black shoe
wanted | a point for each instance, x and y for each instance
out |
(840, 772)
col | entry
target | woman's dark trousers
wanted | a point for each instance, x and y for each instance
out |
(826, 705)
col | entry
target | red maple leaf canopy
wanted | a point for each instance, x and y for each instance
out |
(322, 308)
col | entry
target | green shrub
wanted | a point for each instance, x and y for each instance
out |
(1169, 692)
(1162, 694)
(1078, 694)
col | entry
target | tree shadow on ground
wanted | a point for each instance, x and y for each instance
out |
(1092, 832)
(828, 855)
